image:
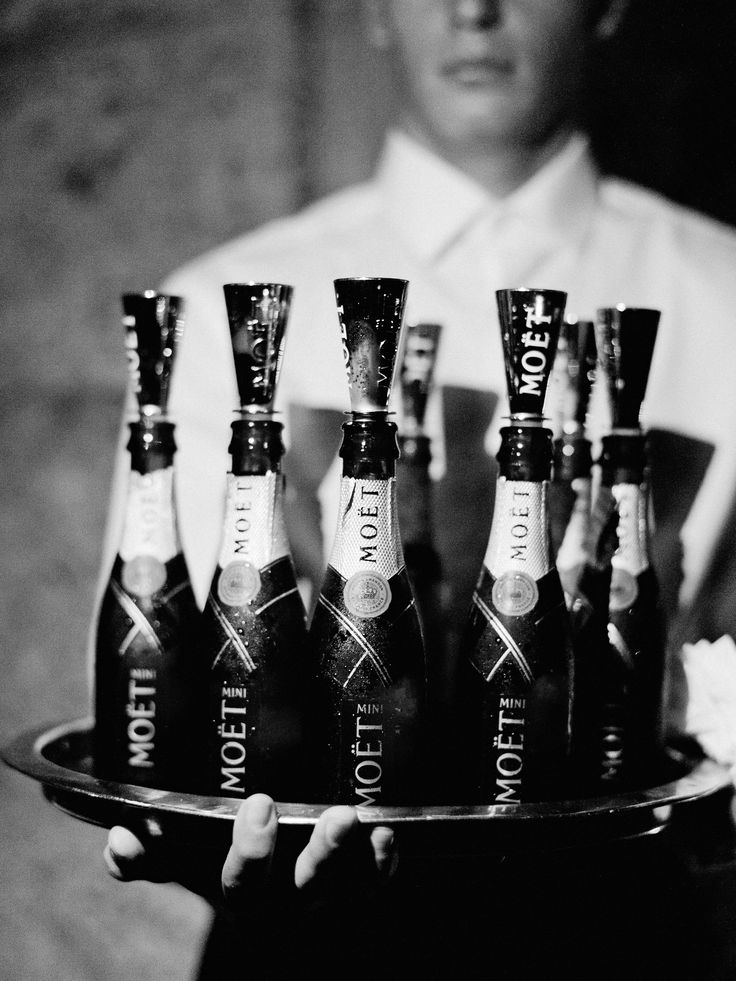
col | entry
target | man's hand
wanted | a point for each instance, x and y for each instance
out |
(340, 854)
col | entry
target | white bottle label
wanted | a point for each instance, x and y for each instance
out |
(519, 539)
(571, 552)
(631, 504)
(631, 557)
(254, 535)
(367, 550)
(254, 529)
(150, 525)
(149, 537)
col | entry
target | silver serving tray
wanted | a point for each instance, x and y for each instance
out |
(59, 758)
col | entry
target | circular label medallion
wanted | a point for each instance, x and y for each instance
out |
(624, 590)
(515, 594)
(367, 594)
(143, 576)
(239, 583)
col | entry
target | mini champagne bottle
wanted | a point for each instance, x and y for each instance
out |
(516, 651)
(414, 499)
(414, 486)
(146, 674)
(365, 638)
(570, 488)
(253, 624)
(621, 675)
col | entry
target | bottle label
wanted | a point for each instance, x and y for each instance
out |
(367, 594)
(631, 557)
(571, 553)
(239, 584)
(141, 712)
(367, 738)
(367, 541)
(519, 540)
(254, 533)
(149, 537)
(143, 576)
(507, 751)
(514, 594)
(232, 731)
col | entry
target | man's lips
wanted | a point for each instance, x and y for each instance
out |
(477, 71)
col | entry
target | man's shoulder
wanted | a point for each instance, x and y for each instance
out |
(699, 236)
(286, 246)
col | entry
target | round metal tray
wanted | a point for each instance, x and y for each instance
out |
(59, 758)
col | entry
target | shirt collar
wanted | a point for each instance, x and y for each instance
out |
(432, 203)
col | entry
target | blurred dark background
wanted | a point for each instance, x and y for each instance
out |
(133, 136)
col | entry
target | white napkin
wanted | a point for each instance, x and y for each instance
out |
(710, 670)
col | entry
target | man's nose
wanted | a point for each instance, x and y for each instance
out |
(475, 14)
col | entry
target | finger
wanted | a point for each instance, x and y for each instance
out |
(155, 858)
(248, 862)
(126, 857)
(332, 831)
(385, 854)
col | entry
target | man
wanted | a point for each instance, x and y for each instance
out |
(486, 182)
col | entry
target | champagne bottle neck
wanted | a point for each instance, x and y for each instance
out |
(256, 446)
(525, 453)
(414, 492)
(623, 459)
(571, 457)
(369, 449)
(415, 451)
(151, 445)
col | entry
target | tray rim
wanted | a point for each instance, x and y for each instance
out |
(25, 753)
